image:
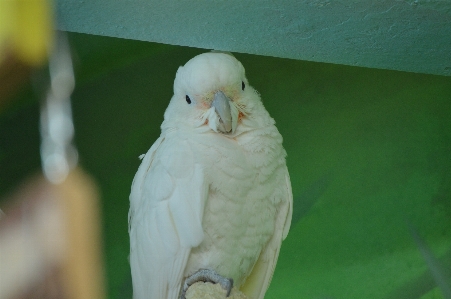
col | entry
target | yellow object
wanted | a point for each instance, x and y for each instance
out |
(83, 267)
(26, 30)
(50, 240)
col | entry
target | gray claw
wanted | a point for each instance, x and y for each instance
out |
(207, 275)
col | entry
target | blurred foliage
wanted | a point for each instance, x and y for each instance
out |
(382, 140)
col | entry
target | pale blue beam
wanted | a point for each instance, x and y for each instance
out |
(412, 36)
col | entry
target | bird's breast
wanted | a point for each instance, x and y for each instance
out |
(239, 215)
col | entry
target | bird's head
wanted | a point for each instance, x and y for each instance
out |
(211, 92)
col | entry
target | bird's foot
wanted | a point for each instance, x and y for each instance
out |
(207, 275)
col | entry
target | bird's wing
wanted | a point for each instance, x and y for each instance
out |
(258, 281)
(165, 219)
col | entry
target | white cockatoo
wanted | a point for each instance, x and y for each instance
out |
(211, 200)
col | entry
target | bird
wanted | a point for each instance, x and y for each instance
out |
(211, 199)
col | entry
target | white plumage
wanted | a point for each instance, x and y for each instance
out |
(213, 192)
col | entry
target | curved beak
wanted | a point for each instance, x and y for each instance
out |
(228, 117)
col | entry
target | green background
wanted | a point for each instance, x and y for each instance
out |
(368, 150)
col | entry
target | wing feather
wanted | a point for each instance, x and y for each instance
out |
(165, 219)
(258, 281)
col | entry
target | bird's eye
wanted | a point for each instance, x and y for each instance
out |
(242, 85)
(188, 100)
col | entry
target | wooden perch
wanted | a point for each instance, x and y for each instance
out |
(208, 290)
